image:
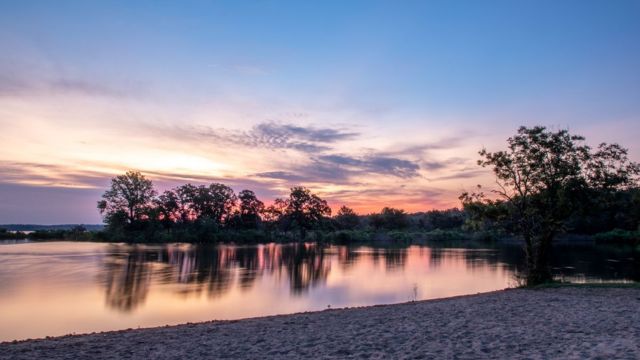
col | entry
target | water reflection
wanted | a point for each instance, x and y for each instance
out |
(83, 287)
(130, 271)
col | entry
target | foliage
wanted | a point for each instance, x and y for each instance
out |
(346, 218)
(390, 219)
(440, 219)
(248, 215)
(543, 178)
(618, 236)
(446, 235)
(303, 210)
(128, 199)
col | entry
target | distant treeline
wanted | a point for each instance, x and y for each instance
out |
(134, 211)
(36, 227)
(61, 232)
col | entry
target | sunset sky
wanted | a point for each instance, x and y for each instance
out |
(368, 103)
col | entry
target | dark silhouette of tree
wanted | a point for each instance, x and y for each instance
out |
(250, 209)
(304, 210)
(128, 199)
(214, 202)
(440, 219)
(274, 215)
(168, 208)
(390, 219)
(347, 219)
(543, 178)
(77, 231)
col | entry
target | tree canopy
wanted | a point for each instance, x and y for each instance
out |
(542, 179)
(129, 196)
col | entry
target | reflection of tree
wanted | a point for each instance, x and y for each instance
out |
(436, 257)
(603, 262)
(306, 266)
(207, 269)
(129, 272)
(395, 258)
(347, 257)
(127, 280)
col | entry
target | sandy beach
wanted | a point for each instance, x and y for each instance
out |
(563, 323)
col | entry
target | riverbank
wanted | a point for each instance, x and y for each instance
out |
(575, 322)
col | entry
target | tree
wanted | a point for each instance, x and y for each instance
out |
(543, 178)
(168, 208)
(250, 209)
(390, 219)
(346, 218)
(214, 202)
(129, 197)
(304, 209)
(274, 214)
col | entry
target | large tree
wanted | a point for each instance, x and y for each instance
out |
(250, 210)
(542, 179)
(129, 197)
(214, 202)
(305, 210)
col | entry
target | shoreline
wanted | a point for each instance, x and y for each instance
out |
(582, 321)
(266, 317)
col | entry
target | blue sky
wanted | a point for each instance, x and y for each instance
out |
(390, 96)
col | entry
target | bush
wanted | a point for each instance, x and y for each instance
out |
(618, 236)
(446, 235)
(344, 236)
(400, 236)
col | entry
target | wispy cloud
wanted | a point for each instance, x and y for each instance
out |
(272, 135)
(344, 169)
(17, 86)
(50, 175)
(20, 80)
(377, 164)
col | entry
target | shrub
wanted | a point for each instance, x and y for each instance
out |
(618, 236)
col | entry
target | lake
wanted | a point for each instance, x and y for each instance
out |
(57, 288)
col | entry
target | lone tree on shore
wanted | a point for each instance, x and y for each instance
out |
(543, 177)
(128, 199)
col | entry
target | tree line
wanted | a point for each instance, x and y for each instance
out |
(548, 183)
(133, 210)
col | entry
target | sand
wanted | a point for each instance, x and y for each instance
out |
(564, 323)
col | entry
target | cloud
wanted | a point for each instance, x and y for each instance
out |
(16, 86)
(282, 175)
(78, 86)
(20, 80)
(50, 175)
(462, 174)
(377, 164)
(447, 143)
(344, 169)
(272, 135)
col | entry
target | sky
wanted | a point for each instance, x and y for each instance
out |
(368, 103)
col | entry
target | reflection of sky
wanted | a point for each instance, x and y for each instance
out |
(83, 287)
(369, 103)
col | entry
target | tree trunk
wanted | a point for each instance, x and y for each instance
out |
(540, 270)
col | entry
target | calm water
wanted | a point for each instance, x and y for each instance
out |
(56, 288)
